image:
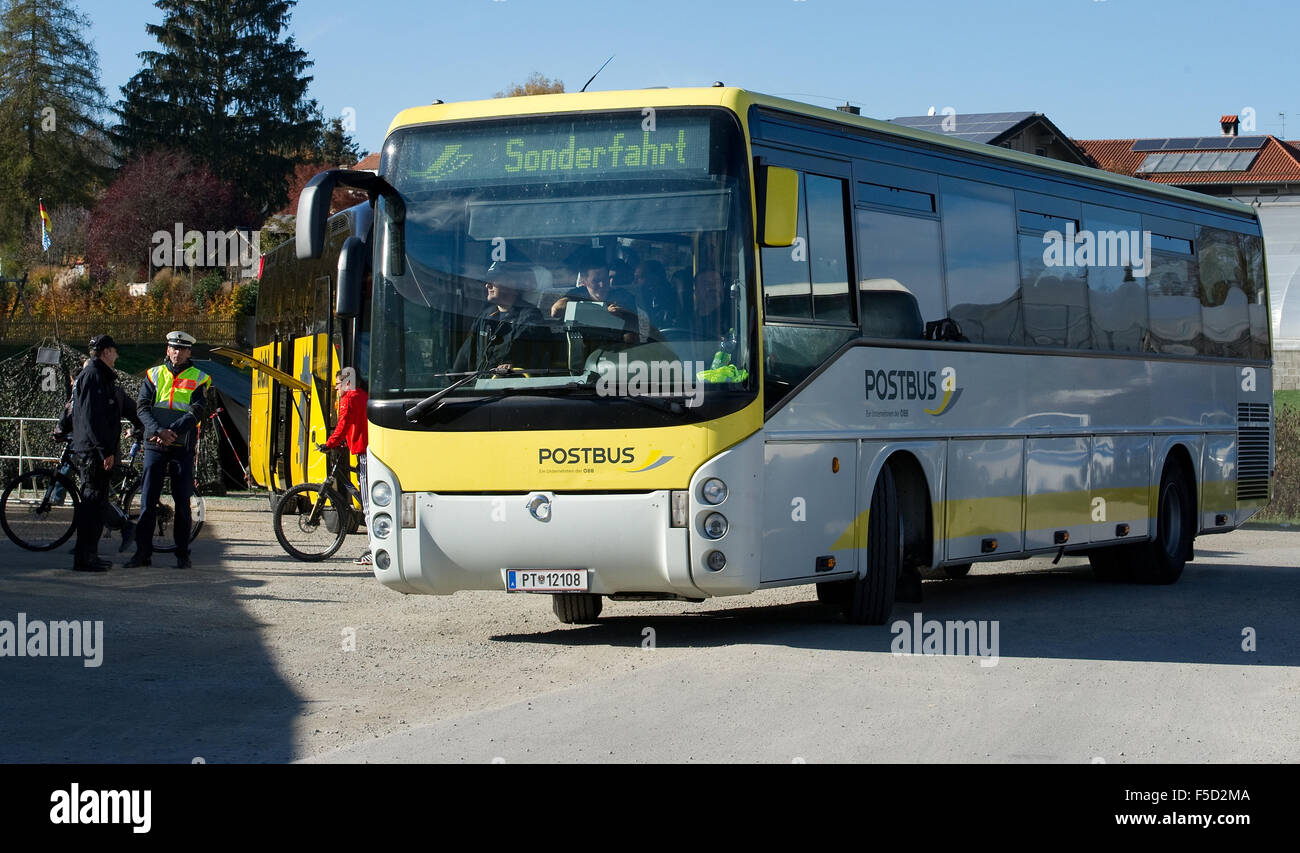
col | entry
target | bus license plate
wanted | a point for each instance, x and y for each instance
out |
(546, 580)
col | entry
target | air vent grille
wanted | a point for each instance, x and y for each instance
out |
(1253, 440)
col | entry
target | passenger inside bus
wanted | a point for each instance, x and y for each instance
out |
(656, 296)
(594, 286)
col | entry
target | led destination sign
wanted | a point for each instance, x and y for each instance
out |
(596, 150)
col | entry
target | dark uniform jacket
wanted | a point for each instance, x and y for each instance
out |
(500, 338)
(157, 418)
(96, 413)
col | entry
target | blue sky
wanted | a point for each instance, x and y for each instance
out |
(1097, 68)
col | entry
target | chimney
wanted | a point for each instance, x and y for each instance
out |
(1229, 125)
(849, 108)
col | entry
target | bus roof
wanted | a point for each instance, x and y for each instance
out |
(740, 100)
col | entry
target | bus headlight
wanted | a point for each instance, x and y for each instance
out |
(716, 561)
(381, 493)
(382, 525)
(714, 491)
(715, 526)
(382, 560)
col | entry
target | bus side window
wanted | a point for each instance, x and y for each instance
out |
(1117, 296)
(810, 280)
(900, 285)
(1252, 248)
(787, 283)
(1225, 308)
(1173, 292)
(983, 277)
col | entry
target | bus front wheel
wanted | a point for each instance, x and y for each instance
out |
(872, 596)
(576, 608)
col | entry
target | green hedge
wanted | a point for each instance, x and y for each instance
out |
(1285, 505)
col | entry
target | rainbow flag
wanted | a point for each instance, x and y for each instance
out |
(46, 227)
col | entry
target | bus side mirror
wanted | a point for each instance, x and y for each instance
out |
(780, 206)
(352, 273)
(313, 215)
(314, 205)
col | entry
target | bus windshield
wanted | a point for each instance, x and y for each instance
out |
(568, 257)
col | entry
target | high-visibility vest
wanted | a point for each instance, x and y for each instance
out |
(175, 391)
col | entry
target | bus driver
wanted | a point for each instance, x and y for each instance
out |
(506, 321)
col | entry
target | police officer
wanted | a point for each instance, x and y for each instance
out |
(96, 426)
(171, 403)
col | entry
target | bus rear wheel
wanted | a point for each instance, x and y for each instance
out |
(576, 608)
(1165, 556)
(1114, 565)
(872, 596)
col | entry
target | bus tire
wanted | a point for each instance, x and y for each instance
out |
(835, 593)
(576, 608)
(1112, 565)
(872, 598)
(1166, 554)
(960, 570)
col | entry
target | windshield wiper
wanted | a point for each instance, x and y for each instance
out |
(431, 403)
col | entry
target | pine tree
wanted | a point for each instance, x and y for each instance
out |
(227, 86)
(336, 147)
(52, 139)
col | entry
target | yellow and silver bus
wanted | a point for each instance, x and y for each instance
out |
(298, 347)
(835, 351)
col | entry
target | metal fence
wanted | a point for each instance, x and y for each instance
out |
(123, 330)
(31, 437)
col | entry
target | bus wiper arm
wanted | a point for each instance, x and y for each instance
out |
(431, 404)
(672, 405)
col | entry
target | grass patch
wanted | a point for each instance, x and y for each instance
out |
(1286, 400)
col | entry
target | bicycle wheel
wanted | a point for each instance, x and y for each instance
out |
(38, 509)
(164, 530)
(307, 523)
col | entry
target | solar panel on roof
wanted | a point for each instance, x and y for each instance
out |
(1213, 142)
(1249, 142)
(1183, 142)
(1243, 160)
(1221, 161)
(1149, 162)
(1148, 145)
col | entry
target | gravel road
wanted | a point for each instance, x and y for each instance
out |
(252, 656)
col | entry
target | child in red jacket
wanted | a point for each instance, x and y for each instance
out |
(351, 428)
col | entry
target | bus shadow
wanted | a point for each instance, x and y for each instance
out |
(183, 673)
(1213, 615)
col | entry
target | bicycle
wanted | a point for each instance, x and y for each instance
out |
(38, 507)
(311, 520)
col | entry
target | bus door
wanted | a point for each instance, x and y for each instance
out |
(810, 484)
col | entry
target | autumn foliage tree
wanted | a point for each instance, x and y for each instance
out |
(536, 84)
(157, 192)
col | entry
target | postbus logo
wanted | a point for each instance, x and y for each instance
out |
(656, 459)
(948, 385)
(939, 386)
(602, 456)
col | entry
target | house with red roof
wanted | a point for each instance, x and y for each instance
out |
(1258, 169)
